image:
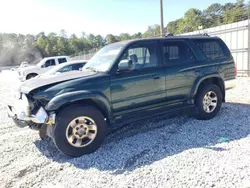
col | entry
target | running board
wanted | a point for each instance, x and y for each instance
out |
(133, 117)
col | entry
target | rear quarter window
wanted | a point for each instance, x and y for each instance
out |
(213, 49)
(62, 60)
(176, 53)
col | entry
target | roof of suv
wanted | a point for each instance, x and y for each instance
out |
(201, 36)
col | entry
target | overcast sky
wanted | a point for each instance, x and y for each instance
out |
(91, 16)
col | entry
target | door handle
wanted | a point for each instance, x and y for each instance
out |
(156, 77)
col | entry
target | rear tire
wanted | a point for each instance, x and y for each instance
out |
(73, 119)
(208, 102)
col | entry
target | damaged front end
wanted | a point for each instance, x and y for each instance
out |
(27, 113)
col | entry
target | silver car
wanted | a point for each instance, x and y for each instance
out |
(76, 65)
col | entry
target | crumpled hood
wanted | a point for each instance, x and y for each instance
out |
(37, 82)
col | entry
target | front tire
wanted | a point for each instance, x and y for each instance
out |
(208, 102)
(79, 130)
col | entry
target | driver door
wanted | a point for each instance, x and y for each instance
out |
(143, 86)
(49, 64)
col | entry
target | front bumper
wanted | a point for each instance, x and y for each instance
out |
(229, 84)
(21, 118)
(22, 78)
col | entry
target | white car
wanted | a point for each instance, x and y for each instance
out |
(76, 65)
(44, 65)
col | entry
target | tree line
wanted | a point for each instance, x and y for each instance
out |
(15, 48)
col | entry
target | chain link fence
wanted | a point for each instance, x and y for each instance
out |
(84, 55)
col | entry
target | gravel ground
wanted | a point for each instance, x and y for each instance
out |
(161, 152)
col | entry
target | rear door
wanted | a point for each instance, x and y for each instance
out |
(218, 57)
(180, 68)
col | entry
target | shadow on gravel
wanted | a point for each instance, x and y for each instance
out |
(143, 143)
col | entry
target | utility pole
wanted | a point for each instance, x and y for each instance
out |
(162, 23)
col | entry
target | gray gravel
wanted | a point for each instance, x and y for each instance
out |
(161, 152)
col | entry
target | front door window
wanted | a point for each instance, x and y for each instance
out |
(50, 62)
(143, 56)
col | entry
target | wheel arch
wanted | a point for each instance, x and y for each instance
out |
(95, 99)
(211, 79)
(32, 73)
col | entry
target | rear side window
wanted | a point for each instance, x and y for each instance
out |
(213, 49)
(176, 53)
(62, 60)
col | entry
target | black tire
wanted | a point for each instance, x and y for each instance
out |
(32, 75)
(68, 114)
(201, 113)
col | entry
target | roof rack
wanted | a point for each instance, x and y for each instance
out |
(169, 34)
(202, 34)
(205, 34)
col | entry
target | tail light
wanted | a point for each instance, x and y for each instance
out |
(235, 70)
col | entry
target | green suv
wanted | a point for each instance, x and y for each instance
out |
(126, 82)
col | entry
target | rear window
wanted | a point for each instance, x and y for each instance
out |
(62, 60)
(176, 52)
(213, 49)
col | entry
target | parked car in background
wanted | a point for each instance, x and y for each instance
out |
(44, 65)
(23, 64)
(76, 65)
(126, 82)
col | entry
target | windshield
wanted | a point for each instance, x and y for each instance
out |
(40, 63)
(54, 69)
(104, 59)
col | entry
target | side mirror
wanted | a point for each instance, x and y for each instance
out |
(42, 66)
(124, 65)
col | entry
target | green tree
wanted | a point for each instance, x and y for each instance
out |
(137, 35)
(41, 43)
(111, 39)
(61, 46)
(235, 12)
(124, 36)
(74, 44)
(99, 41)
(152, 31)
(172, 27)
(191, 21)
(212, 16)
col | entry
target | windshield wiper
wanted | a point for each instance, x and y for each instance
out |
(92, 68)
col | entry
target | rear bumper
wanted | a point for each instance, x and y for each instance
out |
(229, 84)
